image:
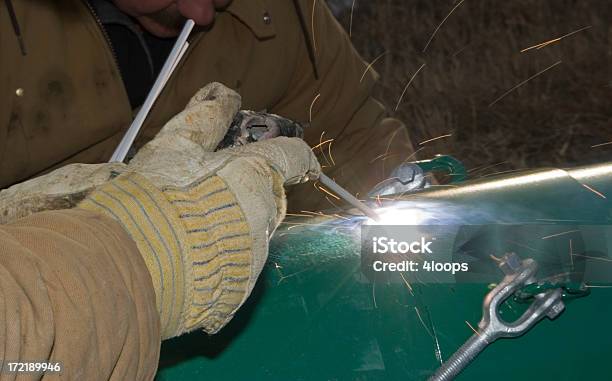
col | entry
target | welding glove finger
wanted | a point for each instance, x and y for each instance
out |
(206, 118)
(291, 157)
(202, 220)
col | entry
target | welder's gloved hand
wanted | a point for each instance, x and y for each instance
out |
(202, 219)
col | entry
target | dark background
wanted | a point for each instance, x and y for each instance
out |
(554, 119)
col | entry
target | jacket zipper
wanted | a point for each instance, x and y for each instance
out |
(112, 49)
(106, 37)
(16, 29)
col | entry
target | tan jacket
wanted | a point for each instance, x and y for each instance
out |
(73, 106)
(73, 287)
(75, 291)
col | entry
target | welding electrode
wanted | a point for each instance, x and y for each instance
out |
(179, 48)
(348, 197)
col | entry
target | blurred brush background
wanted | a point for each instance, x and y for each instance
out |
(561, 117)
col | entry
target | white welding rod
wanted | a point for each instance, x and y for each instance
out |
(179, 48)
(348, 197)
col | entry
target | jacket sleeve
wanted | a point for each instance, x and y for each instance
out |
(74, 290)
(338, 105)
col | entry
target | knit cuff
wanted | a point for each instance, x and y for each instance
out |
(220, 245)
(195, 242)
(155, 227)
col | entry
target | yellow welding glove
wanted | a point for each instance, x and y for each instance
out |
(202, 219)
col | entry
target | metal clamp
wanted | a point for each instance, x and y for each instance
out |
(409, 177)
(491, 327)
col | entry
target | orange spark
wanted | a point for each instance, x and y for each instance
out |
(472, 328)
(380, 156)
(560, 234)
(322, 143)
(330, 154)
(311, 107)
(312, 25)
(341, 217)
(399, 101)
(440, 25)
(369, 67)
(601, 144)
(524, 82)
(315, 213)
(407, 283)
(332, 203)
(482, 168)
(422, 322)
(433, 139)
(546, 43)
(329, 193)
(594, 258)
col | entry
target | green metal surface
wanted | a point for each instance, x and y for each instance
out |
(314, 316)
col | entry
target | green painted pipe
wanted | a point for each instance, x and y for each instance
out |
(314, 315)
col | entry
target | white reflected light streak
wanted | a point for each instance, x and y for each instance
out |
(591, 171)
(400, 216)
(517, 181)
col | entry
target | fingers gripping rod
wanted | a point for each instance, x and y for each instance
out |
(179, 48)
